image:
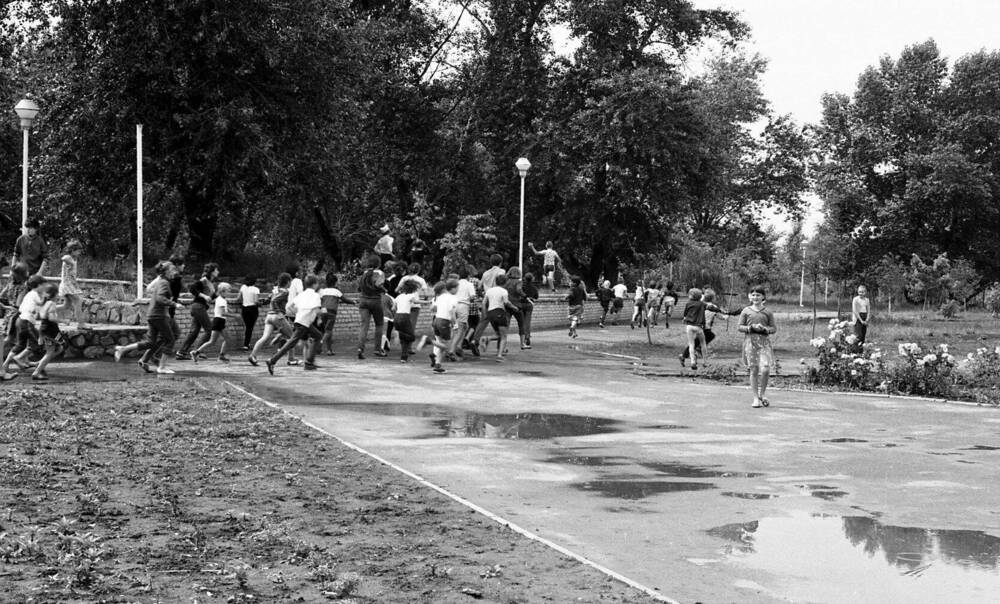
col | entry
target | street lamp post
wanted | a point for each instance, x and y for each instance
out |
(522, 165)
(802, 282)
(26, 109)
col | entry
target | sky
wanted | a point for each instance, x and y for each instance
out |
(817, 46)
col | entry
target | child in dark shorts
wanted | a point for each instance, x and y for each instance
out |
(27, 335)
(575, 300)
(220, 310)
(331, 298)
(49, 336)
(403, 321)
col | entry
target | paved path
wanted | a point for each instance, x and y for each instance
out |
(677, 484)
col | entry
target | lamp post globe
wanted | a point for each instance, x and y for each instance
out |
(522, 165)
(26, 110)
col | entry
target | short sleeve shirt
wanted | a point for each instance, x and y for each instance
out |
(445, 304)
(620, 290)
(496, 297)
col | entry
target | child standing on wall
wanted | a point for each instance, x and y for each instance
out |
(69, 288)
(758, 324)
(221, 309)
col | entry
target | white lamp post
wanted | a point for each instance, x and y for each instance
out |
(802, 282)
(522, 165)
(26, 109)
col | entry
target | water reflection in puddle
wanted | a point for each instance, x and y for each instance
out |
(639, 489)
(523, 425)
(681, 470)
(858, 559)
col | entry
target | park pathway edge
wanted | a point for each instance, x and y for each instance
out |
(465, 502)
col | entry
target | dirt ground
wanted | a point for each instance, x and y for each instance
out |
(172, 490)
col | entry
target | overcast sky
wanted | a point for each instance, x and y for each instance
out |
(817, 46)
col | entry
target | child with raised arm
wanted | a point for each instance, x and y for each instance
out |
(219, 312)
(758, 324)
(69, 289)
(550, 259)
(331, 297)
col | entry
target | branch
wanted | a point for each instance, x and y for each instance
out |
(430, 60)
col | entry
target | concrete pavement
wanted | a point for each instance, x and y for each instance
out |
(678, 484)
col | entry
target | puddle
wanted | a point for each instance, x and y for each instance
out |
(666, 427)
(629, 489)
(588, 460)
(688, 471)
(530, 372)
(522, 426)
(845, 440)
(981, 448)
(858, 559)
(749, 495)
(829, 495)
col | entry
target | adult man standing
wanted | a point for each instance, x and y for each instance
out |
(31, 249)
(384, 245)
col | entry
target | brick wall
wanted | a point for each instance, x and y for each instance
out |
(550, 312)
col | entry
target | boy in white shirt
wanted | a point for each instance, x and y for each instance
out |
(495, 302)
(249, 299)
(219, 312)
(403, 323)
(27, 334)
(330, 297)
(444, 308)
(307, 307)
(619, 291)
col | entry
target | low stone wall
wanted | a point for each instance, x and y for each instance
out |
(96, 341)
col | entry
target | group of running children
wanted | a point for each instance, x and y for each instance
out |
(305, 311)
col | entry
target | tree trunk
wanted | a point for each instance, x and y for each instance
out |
(330, 243)
(202, 220)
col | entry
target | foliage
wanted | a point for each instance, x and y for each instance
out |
(843, 361)
(941, 281)
(980, 368)
(923, 371)
(904, 167)
(469, 244)
(991, 299)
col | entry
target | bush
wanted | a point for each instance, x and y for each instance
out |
(843, 361)
(991, 299)
(923, 372)
(949, 309)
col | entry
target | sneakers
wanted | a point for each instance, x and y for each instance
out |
(223, 358)
(293, 362)
(145, 367)
(119, 353)
(182, 356)
(310, 366)
(439, 369)
(381, 353)
(765, 402)
(451, 356)
(694, 367)
(164, 370)
(756, 403)
(270, 366)
(253, 360)
(601, 325)
(246, 349)
(39, 377)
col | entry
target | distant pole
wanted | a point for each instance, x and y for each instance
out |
(26, 110)
(138, 209)
(522, 165)
(802, 281)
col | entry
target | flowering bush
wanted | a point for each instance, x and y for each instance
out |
(844, 361)
(980, 368)
(923, 371)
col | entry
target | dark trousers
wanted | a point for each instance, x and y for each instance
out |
(160, 336)
(301, 332)
(199, 321)
(249, 314)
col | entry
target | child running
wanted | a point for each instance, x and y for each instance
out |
(10, 298)
(605, 297)
(219, 312)
(639, 304)
(758, 324)
(619, 291)
(28, 311)
(331, 297)
(160, 336)
(69, 289)
(575, 298)
(403, 323)
(694, 325)
(275, 321)
(495, 303)
(307, 307)
(249, 311)
(49, 335)
(712, 311)
(443, 307)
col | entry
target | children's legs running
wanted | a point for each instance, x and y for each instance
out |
(268, 331)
